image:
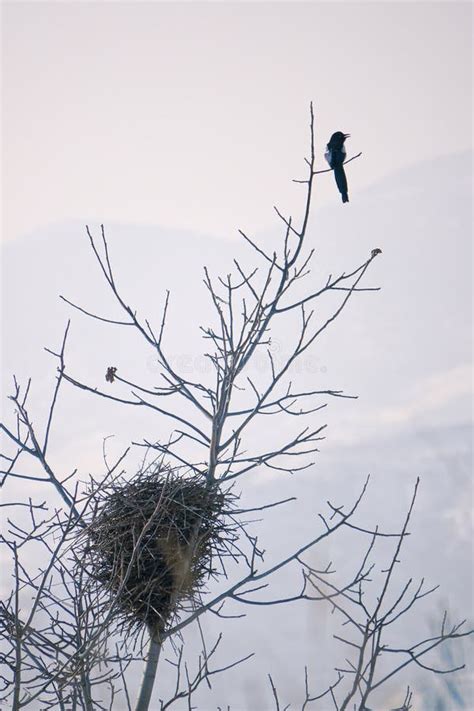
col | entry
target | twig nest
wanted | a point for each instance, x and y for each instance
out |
(155, 540)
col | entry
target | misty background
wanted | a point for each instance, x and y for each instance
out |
(174, 124)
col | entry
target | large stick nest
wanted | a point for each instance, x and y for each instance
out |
(154, 541)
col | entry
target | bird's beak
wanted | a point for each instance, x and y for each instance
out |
(347, 135)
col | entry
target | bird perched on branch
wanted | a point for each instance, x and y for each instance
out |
(335, 156)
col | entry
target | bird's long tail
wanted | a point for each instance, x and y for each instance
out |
(341, 181)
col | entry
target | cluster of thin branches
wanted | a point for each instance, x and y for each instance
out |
(62, 644)
(370, 616)
(54, 649)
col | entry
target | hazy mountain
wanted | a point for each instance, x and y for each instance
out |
(406, 351)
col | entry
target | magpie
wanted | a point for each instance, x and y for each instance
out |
(335, 156)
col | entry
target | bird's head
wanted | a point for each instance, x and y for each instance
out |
(339, 137)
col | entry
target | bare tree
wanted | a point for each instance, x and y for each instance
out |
(60, 651)
(369, 618)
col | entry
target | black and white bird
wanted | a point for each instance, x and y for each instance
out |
(335, 156)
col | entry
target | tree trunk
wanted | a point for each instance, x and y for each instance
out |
(149, 674)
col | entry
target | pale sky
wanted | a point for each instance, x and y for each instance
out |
(191, 115)
(177, 123)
